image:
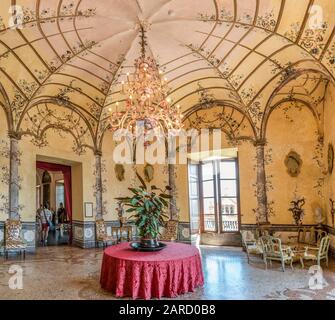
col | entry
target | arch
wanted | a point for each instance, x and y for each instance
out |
(222, 103)
(278, 104)
(269, 107)
(6, 107)
(80, 147)
(67, 105)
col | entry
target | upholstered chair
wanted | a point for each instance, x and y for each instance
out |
(318, 253)
(101, 235)
(274, 251)
(13, 241)
(250, 244)
(170, 231)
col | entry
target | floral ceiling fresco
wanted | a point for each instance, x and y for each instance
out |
(61, 67)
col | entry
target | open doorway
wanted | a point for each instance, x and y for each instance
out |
(214, 197)
(53, 204)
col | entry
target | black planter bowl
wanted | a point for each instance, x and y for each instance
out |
(139, 247)
(149, 243)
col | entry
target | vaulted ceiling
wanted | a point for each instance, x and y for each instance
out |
(63, 67)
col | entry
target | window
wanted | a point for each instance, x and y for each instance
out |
(59, 193)
(215, 191)
(194, 197)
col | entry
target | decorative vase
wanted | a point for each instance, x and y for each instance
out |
(149, 243)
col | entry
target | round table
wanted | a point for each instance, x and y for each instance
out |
(170, 272)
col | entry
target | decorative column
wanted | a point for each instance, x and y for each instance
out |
(172, 184)
(14, 179)
(98, 185)
(261, 183)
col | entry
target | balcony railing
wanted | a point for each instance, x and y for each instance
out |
(229, 222)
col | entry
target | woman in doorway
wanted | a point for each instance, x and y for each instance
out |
(45, 218)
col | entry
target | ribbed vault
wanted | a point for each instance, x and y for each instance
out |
(70, 56)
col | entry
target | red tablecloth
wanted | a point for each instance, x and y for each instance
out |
(167, 273)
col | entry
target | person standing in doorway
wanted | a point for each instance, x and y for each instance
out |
(39, 221)
(46, 220)
(61, 213)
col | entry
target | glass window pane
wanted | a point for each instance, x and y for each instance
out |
(228, 188)
(229, 214)
(207, 171)
(209, 206)
(228, 170)
(209, 223)
(193, 170)
(229, 206)
(194, 208)
(208, 188)
(193, 189)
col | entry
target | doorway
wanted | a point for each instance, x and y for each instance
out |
(214, 200)
(54, 198)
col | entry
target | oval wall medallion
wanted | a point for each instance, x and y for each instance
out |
(293, 164)
(119, 171)
(330, 158)
(149, 172)
(29, 236)
(88, 233)
(186, 233)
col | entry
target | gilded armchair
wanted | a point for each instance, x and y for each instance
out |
(13, 241)
(318, 253)
(101, 235)
(250, 244)
(274, 251)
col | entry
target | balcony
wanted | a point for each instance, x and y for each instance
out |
(229, 222)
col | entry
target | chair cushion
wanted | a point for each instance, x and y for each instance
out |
(254, 249)
(15, 245)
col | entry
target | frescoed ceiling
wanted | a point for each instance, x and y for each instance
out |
(63, 67)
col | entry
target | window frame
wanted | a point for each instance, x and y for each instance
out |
(217, 195)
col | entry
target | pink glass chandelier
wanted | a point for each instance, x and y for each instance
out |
(147, 102)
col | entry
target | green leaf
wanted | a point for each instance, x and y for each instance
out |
(141, 180)
(166, 196)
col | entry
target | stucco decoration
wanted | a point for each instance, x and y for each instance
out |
(149, 172)
(29, 235)
(297, 210)
(293, 164)
(330, 158)
(119, 172)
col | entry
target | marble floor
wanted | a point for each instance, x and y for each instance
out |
(73, 273)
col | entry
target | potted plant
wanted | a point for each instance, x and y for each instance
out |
(148, 207)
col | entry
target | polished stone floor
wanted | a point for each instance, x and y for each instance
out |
(72, 273)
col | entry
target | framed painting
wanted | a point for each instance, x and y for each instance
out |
(88, 207)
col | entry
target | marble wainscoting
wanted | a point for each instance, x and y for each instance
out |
(29, 235)
(84, 232)
(184, 232)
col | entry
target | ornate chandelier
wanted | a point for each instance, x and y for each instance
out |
(147, 103)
